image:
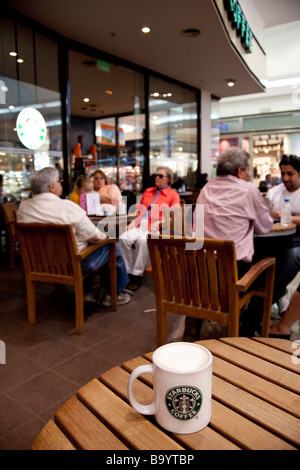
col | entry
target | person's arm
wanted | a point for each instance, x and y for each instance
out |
(97, 238)
(262, 221)
(296, 219)
(86, 230)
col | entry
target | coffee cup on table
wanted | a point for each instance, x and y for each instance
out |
(182, 384)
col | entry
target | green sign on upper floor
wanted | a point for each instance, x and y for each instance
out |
(239, 22)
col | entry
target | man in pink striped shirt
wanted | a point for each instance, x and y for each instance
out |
(233, 207)
(233, 210)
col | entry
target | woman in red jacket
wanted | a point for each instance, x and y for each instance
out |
(133, 243)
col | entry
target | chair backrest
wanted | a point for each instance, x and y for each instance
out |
(178, 221)
(195, 282)
(49, 252)
(9, 211)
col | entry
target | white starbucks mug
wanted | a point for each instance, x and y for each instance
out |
(182, 383)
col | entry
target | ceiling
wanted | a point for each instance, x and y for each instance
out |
(204, 62)
(275, 12)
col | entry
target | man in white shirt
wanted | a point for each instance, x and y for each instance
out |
(46, 206)
(288, 253)
(288, 189)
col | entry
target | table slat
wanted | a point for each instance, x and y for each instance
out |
(258, 366)
(244, 432)
(257, 410)
(264, 351)
(285, 345)
(116, 379)
(135, 429)
(85, 429)
(258, 386)
(52, 438)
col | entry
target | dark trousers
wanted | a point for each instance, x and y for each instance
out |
(97, 260)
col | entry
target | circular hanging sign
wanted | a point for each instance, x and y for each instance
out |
(31, 128)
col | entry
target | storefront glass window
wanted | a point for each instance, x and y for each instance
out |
(173, 130)
(107, 113)
(132, 155)
(30, 110)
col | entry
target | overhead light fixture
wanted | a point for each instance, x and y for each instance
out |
(230, 82)
(13, 54)
(86, 100)
(20, 61)
(190, 33)
(146, 29)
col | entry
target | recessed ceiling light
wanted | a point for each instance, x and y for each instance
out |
(20, 61)
(13, 54)
(108, 92)
(146, 29)
(230, 82)
(86, 100)
(190, 33)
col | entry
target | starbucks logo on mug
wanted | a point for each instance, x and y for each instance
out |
(184, 402)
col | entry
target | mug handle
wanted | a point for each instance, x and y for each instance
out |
(143, 409)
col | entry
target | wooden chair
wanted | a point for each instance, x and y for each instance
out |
(203, 283)
(9, 211)
(50, 255)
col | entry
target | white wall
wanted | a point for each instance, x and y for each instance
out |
(282, 46)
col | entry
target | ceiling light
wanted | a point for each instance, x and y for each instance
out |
(190, 33)
(108, 92)
(230, 82)
(146, 29)
(86, 100)
(13, 54)
(20, 61)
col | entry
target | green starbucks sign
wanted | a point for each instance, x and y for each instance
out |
(239, 22)
(31, 128)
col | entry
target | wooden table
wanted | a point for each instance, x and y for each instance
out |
(113, 225)
(256, 405)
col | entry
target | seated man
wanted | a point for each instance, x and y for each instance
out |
(287, 251)
(133, 243)
(233, 210)
(46, 206)
(233, 207)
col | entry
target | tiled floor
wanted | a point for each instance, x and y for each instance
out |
(47, 363)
